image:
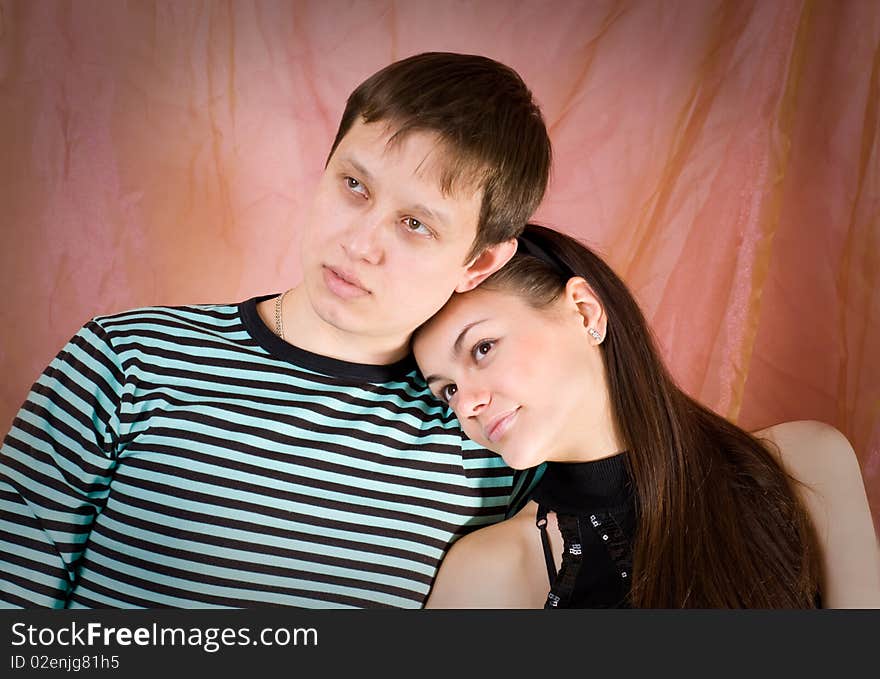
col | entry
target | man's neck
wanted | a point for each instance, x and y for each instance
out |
(305, 329)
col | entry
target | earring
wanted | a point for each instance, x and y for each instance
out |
(594, 334)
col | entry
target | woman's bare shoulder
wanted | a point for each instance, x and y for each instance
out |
(831, 487)
(816, 453)
(488, 568)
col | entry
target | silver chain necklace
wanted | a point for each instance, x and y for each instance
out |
(279, 321)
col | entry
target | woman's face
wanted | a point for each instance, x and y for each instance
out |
(525, 383)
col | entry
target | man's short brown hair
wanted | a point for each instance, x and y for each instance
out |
(483, 114)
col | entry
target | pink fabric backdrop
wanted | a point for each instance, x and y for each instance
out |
(723, 155)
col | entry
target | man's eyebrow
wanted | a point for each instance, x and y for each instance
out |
(358, 167)
(456, 347)
(433, 217)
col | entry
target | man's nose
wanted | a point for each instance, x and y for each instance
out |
(363, 239)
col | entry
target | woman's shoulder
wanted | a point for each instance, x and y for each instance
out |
(491, 567)
(820, 458)
(831, 487)
(814, 452)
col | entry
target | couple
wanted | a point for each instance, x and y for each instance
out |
(288, 451)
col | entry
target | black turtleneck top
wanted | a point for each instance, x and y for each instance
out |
(596, 511)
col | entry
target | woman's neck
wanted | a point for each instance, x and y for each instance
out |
(591, 434)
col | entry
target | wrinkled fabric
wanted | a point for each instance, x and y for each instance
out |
(723, 156)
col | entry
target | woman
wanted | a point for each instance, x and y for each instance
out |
(649, 499)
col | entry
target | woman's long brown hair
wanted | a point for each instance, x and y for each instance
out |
(719, 524)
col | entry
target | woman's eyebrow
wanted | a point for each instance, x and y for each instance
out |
(456, 347)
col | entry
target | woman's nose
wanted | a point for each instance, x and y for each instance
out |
(473, 400)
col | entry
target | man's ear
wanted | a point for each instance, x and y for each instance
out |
(579, 293)
(486, 263)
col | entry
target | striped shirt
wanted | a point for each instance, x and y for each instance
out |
(187, 457)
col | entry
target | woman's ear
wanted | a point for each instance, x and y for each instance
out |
(581, 296)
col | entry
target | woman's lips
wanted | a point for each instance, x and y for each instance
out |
(343, 284)
(500, 425)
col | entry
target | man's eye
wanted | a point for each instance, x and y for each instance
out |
(415, 226)
(448, 392)
(481, 349)
(355, 185)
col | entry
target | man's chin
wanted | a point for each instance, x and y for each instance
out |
(339, 313)
(353, 317)
(353, 322)
(342, 320)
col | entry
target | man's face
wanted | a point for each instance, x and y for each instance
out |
(384, 248)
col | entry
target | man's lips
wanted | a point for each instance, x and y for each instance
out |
(499, 425)
(343, 283)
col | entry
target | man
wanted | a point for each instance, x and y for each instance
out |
(285, 451)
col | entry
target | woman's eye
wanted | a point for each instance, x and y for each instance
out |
(414, 225)
(355, 185)
(481, 349)
(448, 392)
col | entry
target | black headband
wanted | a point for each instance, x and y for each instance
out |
(529, 246)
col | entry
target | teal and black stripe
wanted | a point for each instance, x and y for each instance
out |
(187, 457)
